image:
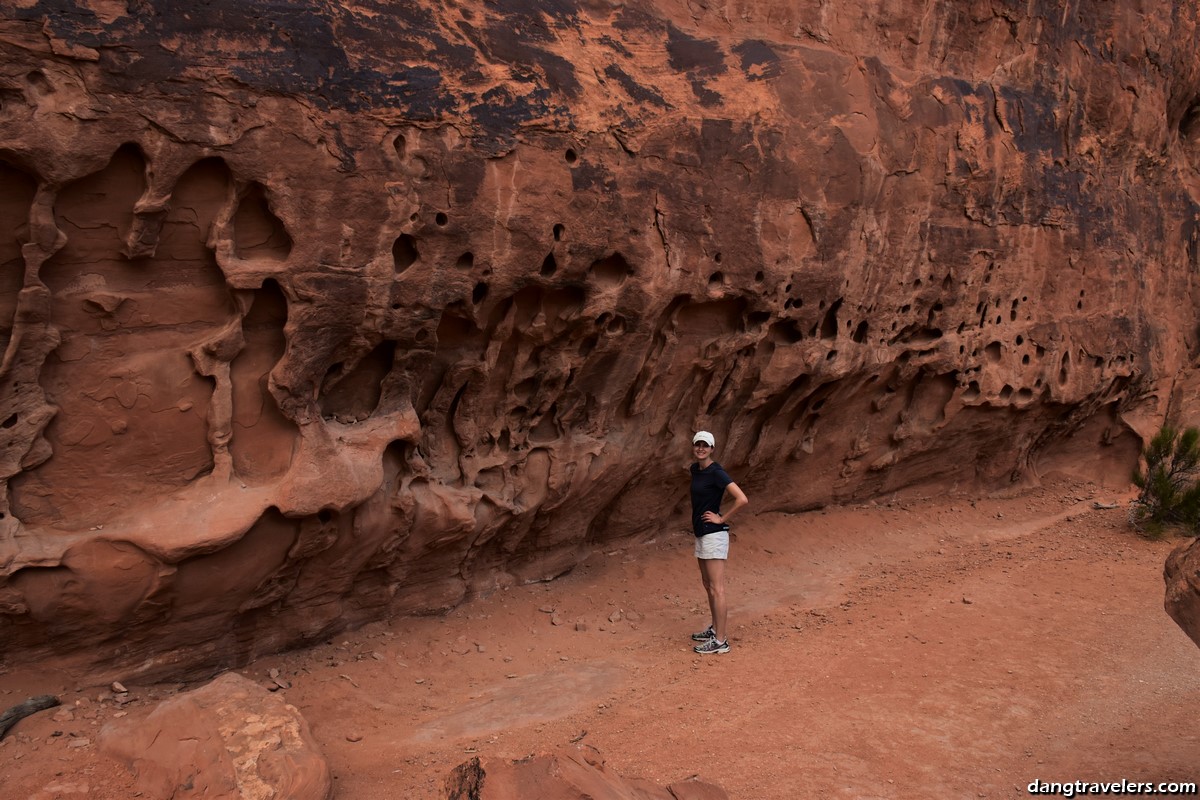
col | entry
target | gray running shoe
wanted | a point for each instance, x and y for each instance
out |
(704, 635)
(712, 646)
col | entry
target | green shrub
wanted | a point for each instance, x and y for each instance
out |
(1169, 499)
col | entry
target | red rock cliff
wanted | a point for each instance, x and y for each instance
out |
(311, 313)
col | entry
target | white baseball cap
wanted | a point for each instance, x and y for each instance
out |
(704, 436)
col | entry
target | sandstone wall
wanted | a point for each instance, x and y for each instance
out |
(312, 313)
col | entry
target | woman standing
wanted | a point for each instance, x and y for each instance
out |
(710, 482)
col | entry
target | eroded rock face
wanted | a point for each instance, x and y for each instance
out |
(229, 739)
(1182, 576)
(314, 313)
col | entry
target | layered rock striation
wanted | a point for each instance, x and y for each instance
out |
(312, 313)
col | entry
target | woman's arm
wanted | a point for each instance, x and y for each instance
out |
(739, 500)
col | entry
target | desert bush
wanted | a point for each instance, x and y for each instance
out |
(1169, 499)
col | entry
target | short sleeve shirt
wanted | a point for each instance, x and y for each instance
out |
(708, 487)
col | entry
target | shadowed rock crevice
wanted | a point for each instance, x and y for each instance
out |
(16, 200)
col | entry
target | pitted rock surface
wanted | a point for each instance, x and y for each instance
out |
(315, 313)
(229, 739)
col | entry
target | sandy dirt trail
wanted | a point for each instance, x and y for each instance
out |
(927, 647)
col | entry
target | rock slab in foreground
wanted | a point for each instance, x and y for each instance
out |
(228, 739)
(568, 774)
(1182, 576)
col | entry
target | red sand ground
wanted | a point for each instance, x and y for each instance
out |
(927, 647)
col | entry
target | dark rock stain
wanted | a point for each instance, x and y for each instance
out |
(759, 61)
(689, 54)
(635, 90)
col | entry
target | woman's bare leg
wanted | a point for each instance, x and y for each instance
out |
(712, 572)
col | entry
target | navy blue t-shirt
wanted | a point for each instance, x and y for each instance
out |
(708, 487)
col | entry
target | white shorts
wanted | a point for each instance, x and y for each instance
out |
(713, 545)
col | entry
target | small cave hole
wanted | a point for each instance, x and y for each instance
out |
(829, 325)
(479, 293)
(11, 421)
(971, 392)
(257, 232)
(1006, 393)
(571, 156)
(1189, 123)
(440, 218)
(785, 332)
(993, 352)
(759, 276)
(1025, 359)
(717, 258)
(860, 333)
(612, 271)
(404, 252)
(549, 265)
(401, 145)
(716, 280)
(559, 230)
(324, 515)
(465, 261)
(831, 355)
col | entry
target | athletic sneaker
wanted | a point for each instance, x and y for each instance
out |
(712, 646)
(704, 635)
